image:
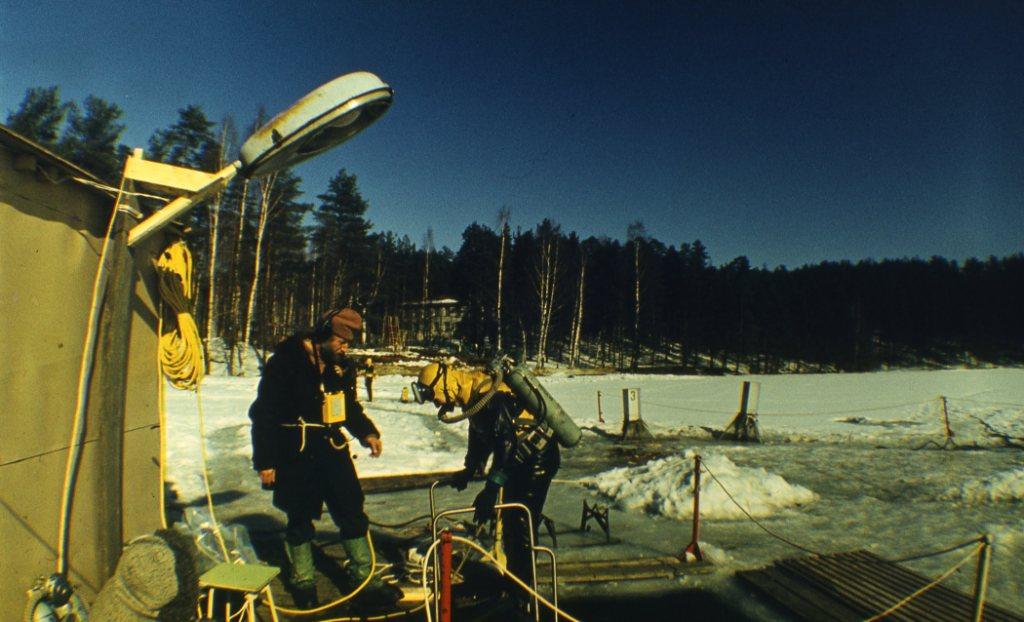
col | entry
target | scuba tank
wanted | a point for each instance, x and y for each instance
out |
(536, 399)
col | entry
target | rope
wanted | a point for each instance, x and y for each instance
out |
(384, 616)
(89, 182)
(967, 399)
(754, 520)
(786, 414)
(304, 424)
(937, 553)
(505, 573)
(924, 589)
(82, 396)
(206, 476)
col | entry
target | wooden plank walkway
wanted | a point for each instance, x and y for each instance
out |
(857, 585)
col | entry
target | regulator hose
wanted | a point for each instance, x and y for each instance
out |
(496, 371)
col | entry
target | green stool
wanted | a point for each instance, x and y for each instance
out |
(250, 579)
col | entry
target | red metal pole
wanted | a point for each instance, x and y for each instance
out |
(445, 598)
(693, 548)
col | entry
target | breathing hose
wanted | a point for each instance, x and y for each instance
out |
(497, 374)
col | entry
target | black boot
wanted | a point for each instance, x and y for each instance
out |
(305, 597)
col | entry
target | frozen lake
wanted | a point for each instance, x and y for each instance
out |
(850, 461)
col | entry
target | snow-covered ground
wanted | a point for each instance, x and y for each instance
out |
(849, 460)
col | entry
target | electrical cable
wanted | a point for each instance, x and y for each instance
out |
(400, 525)
(82, 396)
(162, 414)
(336, 602)
(505, 573)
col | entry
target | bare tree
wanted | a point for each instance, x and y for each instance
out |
(268, 204)
(636, 233)
(545, 275)
(428, 249)
(577, 316)
(236, 263)
(503, 217)
(213, 208)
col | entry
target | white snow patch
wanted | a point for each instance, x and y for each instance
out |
(1004, 486)
(665, 487)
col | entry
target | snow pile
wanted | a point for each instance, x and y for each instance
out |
(665, 487)
(1004, 486)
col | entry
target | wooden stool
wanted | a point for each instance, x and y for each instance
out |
(250, 579)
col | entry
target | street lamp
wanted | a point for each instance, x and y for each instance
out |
(320, 121)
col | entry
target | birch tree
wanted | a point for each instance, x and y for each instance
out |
(274, 192)
(577, 316)
(213, 211)
(636, 233)
(503, 229)
(545, 276)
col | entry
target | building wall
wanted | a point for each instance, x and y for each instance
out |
(50, 240)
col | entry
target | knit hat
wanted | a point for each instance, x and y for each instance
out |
(343, 322)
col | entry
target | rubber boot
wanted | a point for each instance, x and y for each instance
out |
(302, 574)
(376, 593)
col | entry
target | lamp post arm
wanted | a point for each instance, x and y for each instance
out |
(179, 206)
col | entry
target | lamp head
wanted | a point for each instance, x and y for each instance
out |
(323, 119)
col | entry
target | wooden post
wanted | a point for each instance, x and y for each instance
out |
(600, 415)
(633, 425)
(945, 418)
(107, 395)
(743, 426)
(693, 548)
(981, 580)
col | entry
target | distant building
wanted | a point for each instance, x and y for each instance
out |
(431, 321)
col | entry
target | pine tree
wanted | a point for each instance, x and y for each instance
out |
(91, 137)
(40, 115)
(339, 240)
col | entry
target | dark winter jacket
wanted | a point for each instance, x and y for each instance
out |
(290, 389)
(508, 432)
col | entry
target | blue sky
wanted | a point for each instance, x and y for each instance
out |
(789, 132)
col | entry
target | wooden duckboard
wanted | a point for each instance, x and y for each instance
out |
(857, 585)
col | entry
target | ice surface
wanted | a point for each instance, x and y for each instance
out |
(849, 462)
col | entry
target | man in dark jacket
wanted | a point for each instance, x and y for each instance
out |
(306, 395)
(524, 456)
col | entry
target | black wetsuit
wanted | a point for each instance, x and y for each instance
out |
(527, 456)
(317, 469)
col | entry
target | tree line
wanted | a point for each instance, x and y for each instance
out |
(269, 259)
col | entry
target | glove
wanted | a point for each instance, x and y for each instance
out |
(460, 480)
(483, 505)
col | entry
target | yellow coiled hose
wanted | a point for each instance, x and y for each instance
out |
(181, 350)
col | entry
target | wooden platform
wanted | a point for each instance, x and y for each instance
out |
(858, 585)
